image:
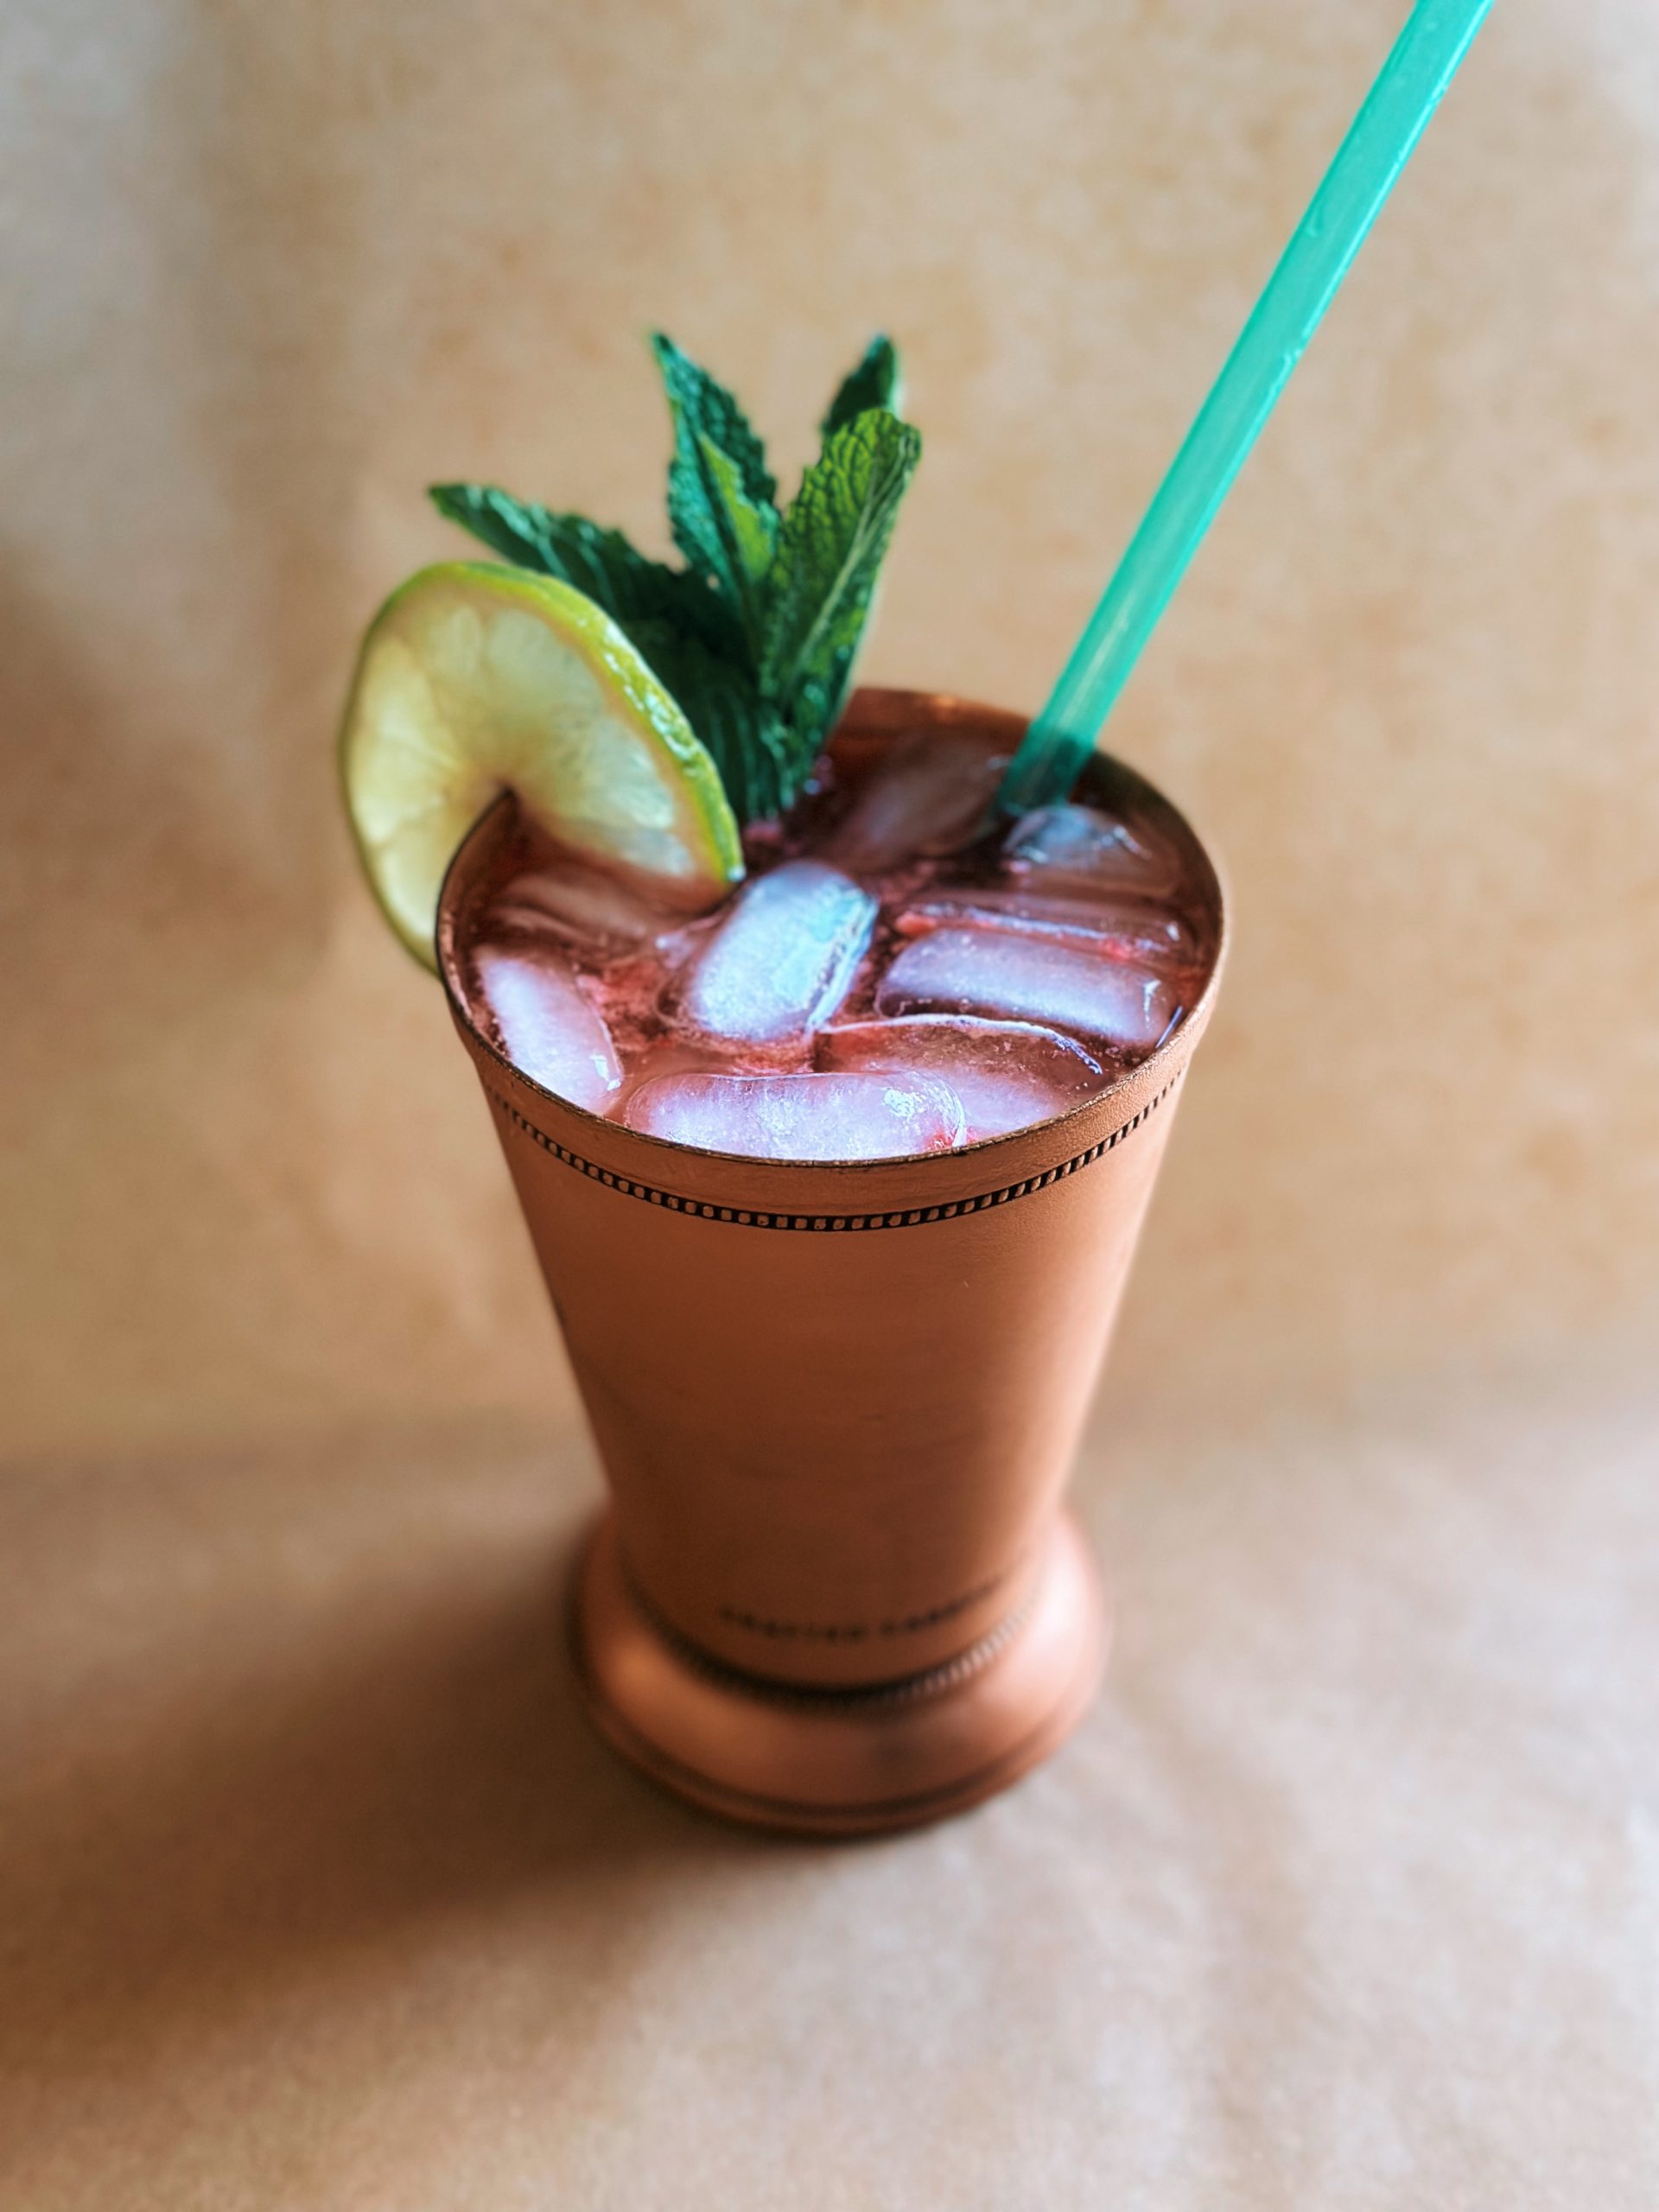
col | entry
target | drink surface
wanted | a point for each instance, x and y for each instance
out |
(891, 978)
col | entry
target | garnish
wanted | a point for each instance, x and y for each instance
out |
(473, 680)
(757, 635)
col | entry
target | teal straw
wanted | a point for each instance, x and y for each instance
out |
(1380, 140)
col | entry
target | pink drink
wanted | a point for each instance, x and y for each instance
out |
(892, 978)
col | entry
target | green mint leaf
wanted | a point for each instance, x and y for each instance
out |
(726, 538)
(829, 553)
(749, 531)
(743, 733)
(877, 381)
(602, 562)
(721, 494)
(702, 406)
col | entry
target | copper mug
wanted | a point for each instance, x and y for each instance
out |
(835, 1590)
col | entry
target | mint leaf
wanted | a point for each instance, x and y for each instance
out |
(877, 381)
(829, 552)
(704, 406)
(726, 538)
(744, 734)
(601, 563)
(749, 530)
(721, 494)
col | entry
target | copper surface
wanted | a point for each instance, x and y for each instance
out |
(836, 1406)
(842, 1761)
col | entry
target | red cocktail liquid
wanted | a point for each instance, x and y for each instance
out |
(892, 977)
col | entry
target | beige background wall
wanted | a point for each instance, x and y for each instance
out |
(268, 270)
(315, 1891)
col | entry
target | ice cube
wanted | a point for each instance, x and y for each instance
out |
(578, 903)
(854, 1116)
(546, 1027)
(1023, 978)
(1080, 845)
(927, 795)
(1007, 1074)
(1124, 928)
(780, 962)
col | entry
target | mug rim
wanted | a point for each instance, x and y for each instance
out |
(881, 711)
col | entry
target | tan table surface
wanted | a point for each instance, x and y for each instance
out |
(317, 1892)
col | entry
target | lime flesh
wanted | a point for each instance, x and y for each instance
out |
(473, 680)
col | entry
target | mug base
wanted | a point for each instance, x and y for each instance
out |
(841, 1763)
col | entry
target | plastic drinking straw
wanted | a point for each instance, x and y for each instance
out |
(1422, 63)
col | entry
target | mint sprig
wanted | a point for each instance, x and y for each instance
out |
(757, 635)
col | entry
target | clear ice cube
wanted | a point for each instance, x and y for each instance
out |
(927, 795)
(1124, 928)
(546, 1026)
(1080, 845)
(782, 960)
(831, 1117)
(579, 905)
(1023, 978)
(1007, 1074)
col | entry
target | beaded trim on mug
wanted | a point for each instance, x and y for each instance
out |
(748, 1217)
